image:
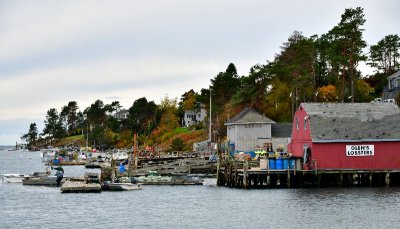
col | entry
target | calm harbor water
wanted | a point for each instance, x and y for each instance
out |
(206, 206)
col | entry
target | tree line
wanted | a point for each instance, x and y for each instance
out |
(319, 68)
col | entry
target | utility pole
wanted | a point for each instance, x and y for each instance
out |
(209, 129)
(135, 149)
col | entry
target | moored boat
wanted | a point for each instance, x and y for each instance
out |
(108, 186)
(18, 178)
(14, 177)
(45, 181)
(92, 165)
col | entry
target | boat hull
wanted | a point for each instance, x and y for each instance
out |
(45, 181)
(13, 177)
(121, 186)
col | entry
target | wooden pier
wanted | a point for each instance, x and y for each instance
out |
(247, 174)
(89, 183)
(68, 163)
(80, 186)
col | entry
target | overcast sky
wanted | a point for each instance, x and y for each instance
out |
(53, 52)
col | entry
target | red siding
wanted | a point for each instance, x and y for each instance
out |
(333, 156)
(300, 136)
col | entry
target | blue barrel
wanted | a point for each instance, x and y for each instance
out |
(292, 163)
(271, 163)
(252, 154)
(285, 163)
(56, 161)
(121, 168)
(279, 163)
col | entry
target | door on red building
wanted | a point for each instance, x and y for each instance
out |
(306, 156)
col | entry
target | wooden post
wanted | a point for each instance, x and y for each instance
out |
(225, 174)
(370, 179)
(218, 171)
(245, 167)
(387, 179)
(113, 173)
(236, 174)
(230, 175)
(341, 179)
(315, 166)
(318, 180)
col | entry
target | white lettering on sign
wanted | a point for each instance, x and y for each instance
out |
(359, 150)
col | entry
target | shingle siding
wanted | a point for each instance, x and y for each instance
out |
(353, 121)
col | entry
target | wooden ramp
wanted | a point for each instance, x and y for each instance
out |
(80, 186)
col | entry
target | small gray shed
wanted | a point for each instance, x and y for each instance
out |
(249, 129)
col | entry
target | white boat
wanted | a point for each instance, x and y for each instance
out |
(13, 177)
(120, 155)
(18, 178)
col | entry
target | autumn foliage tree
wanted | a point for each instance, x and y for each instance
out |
(327, 93)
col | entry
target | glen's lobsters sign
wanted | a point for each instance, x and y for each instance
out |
(359, 150)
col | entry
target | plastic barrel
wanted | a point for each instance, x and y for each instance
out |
(272, 163)
(121, 168)
(252, 154)
(263, 163)
(56, 161)
(292, 163)
(285, 163)
(279, 163)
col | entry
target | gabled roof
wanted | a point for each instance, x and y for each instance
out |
(247, 116)
(123, 111)
(351, 122)
(281, 130)
(395, 75)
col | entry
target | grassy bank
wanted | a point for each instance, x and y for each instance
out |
(188, 136)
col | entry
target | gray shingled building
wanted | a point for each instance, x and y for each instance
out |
(353, 121)
(249, 129)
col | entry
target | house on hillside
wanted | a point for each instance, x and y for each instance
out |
(249, 129)
(122, 114)
(192, 117)
(363, 136)
(393, 88)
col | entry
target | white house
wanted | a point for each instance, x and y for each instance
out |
(192, 117)
(121, 115)
(393, 87)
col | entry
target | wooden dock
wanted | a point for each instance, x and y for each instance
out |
(248, 174)
(172, 182)
(68, 163)
(80, 186)
(90, 183)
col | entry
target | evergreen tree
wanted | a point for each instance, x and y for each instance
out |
(142, 116)
(32, 135)
(53, 125)
(347, 41)
(385, 55)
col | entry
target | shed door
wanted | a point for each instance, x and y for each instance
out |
(306, 154)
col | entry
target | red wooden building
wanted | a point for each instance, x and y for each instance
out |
(363, 136)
